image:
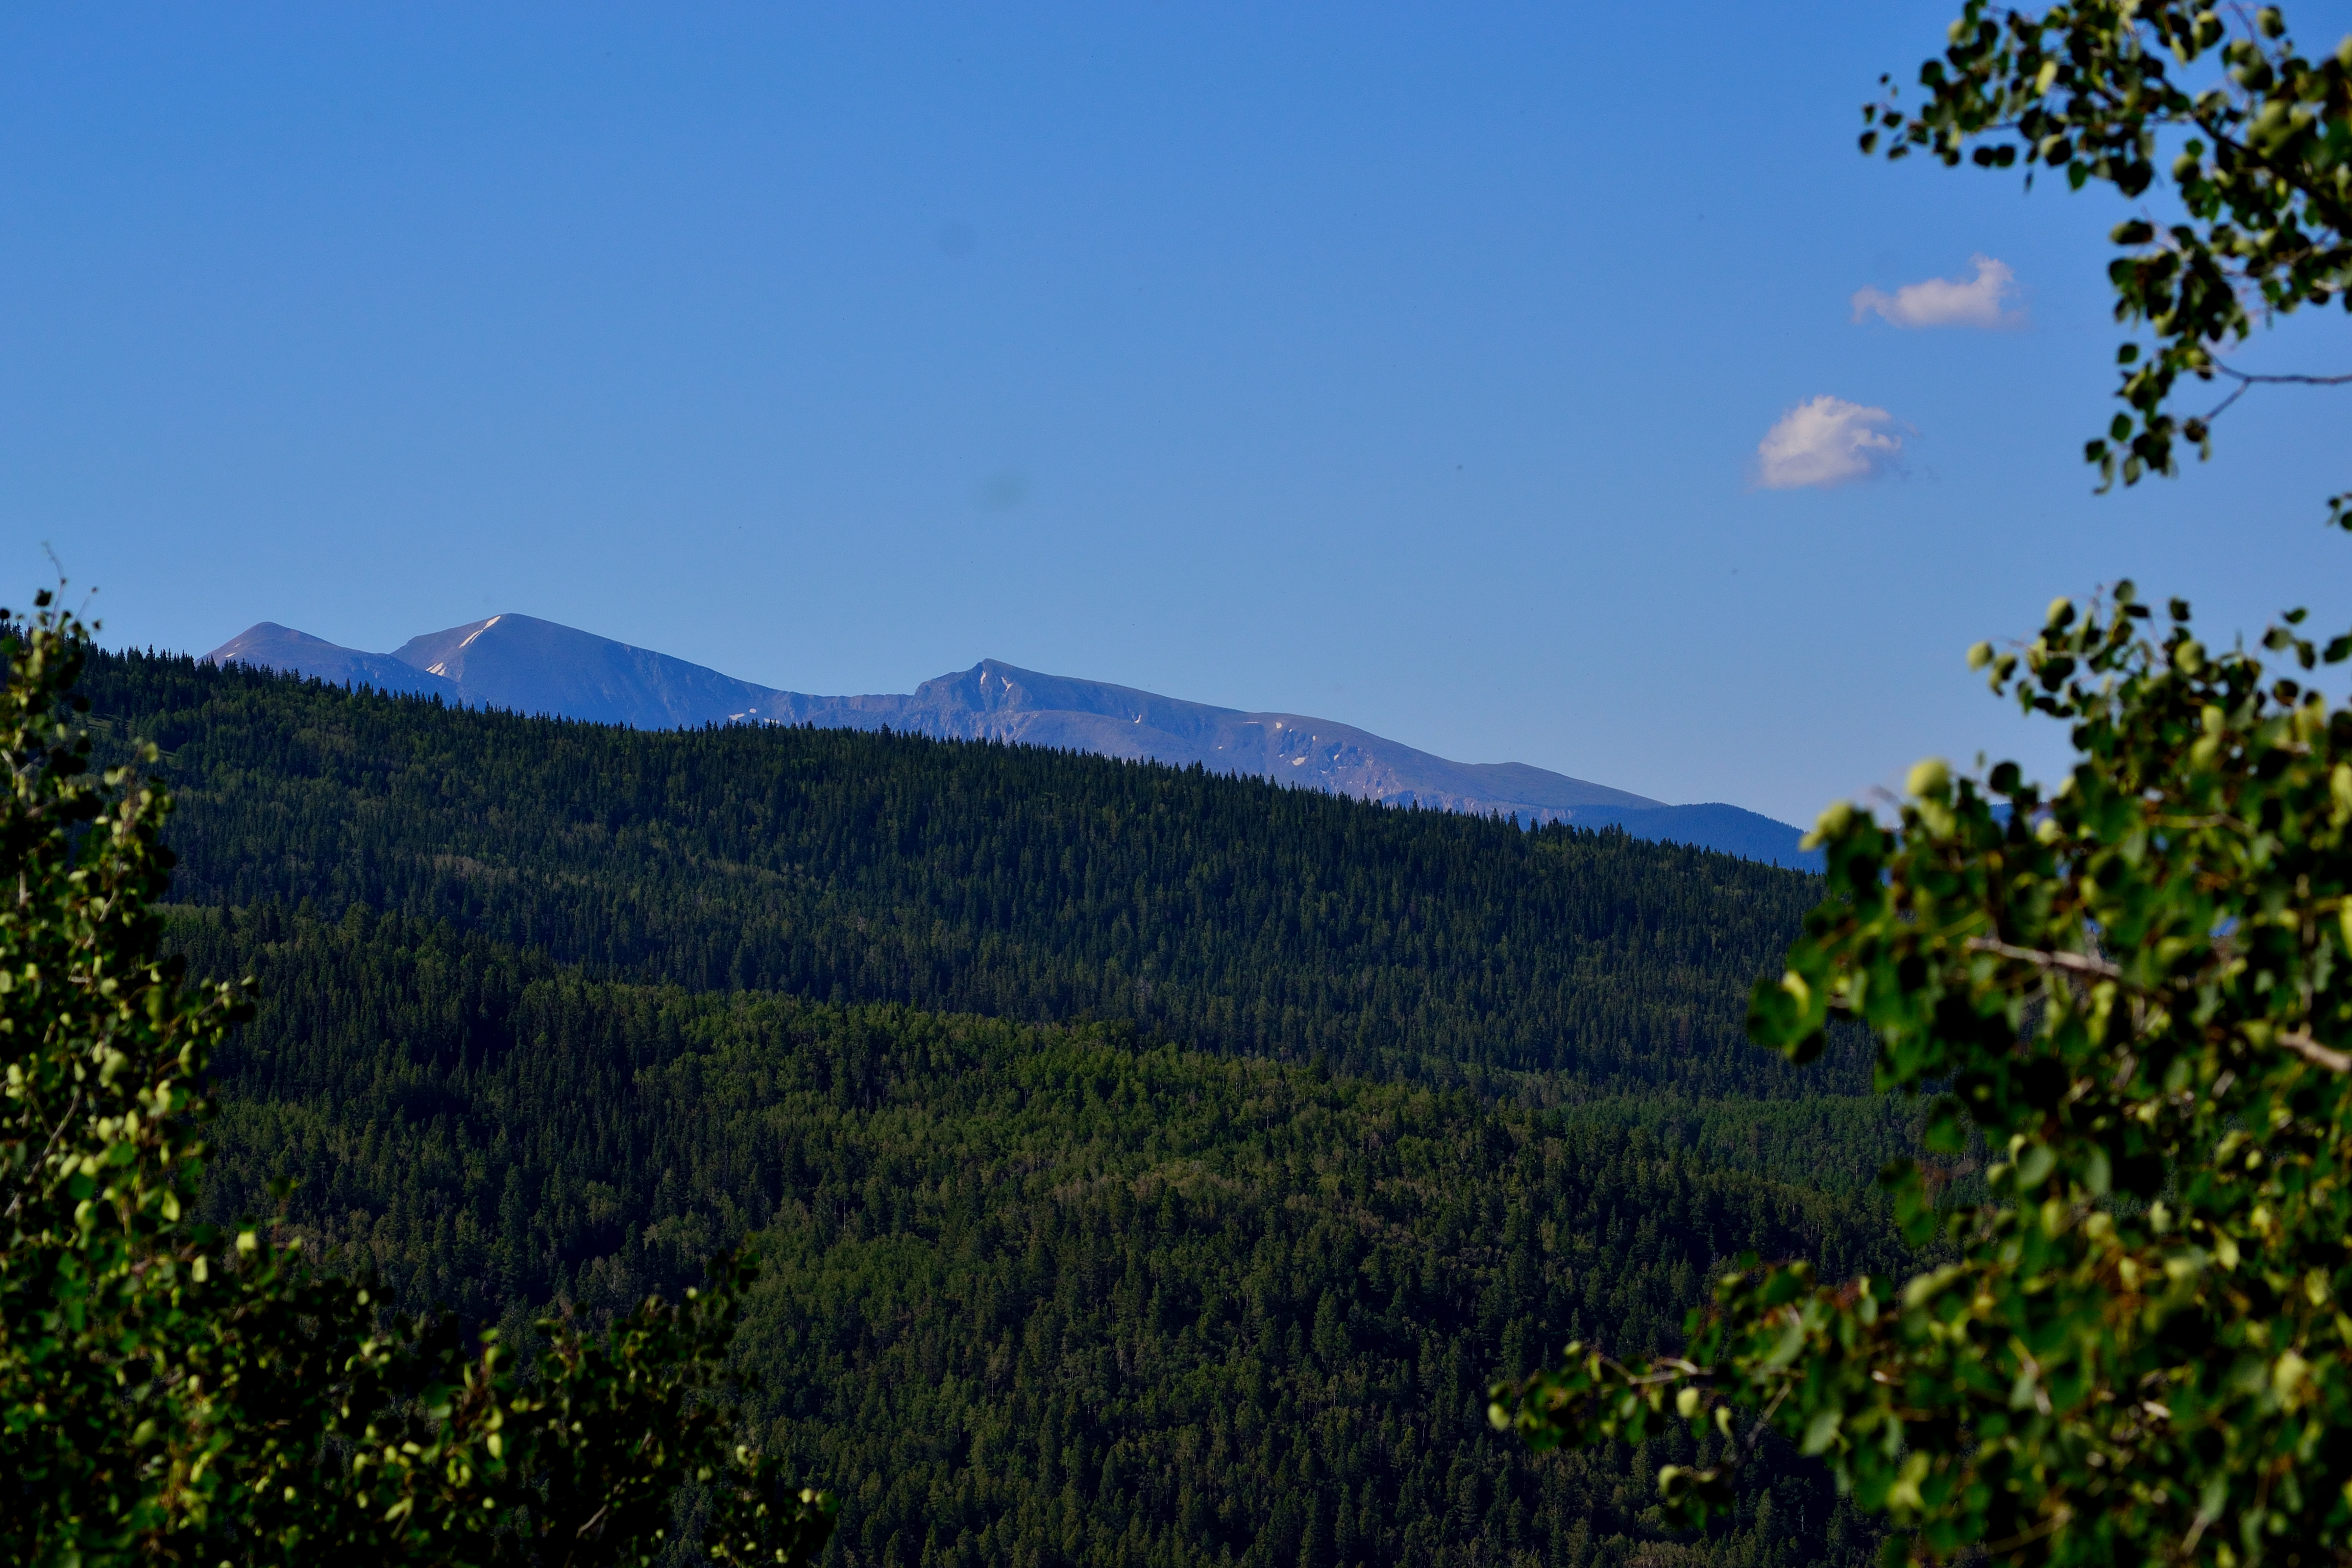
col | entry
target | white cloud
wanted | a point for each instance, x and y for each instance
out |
(1827, 441)
(1946, 302)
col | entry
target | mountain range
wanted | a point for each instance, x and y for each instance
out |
(531, 666)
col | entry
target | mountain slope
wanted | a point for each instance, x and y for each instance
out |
(270, 645)
(533, 666)
(537, 666)
(997, 701)
(1017, 881)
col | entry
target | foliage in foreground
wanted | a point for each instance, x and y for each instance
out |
(173, 1391)
(2259, 142)
(2135, 991)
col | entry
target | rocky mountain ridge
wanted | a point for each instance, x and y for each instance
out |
(533, 666)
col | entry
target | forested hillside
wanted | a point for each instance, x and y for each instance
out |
(1150, 1168)
(1035, 1294)
(1224, 914)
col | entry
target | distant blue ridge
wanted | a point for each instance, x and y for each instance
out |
(1714, 826)
(530, 666)
(1732, 829)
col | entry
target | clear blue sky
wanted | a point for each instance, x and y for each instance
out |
(1402, 365)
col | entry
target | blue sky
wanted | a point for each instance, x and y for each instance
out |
(1406, 365)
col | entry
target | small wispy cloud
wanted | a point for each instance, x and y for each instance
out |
(1826, 441)
(1982, 302)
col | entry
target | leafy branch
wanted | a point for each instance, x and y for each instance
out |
(2262, 176)
(173, 1391)
(2143, 1333)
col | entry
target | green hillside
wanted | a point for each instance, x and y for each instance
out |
(1035, 1294)
(1225, 914)
(1150, 1168)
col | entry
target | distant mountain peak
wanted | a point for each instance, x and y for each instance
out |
(273, 647)
(531, 666)
(408, 652)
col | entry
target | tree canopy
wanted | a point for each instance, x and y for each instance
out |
(2260, 143)
(2124, 999)
(2130, 995)
(1226, 913)
(176, 1391)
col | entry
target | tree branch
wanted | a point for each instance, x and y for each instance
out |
(1762, 1423)
(2250, 380)
(2073, 963)
(2300, 1042)
(2246, 381)
(19, 1201)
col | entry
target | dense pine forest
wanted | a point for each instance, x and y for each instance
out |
(1231, 915)
(1148, 1167)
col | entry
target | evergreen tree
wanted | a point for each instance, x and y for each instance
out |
(177, 1390)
